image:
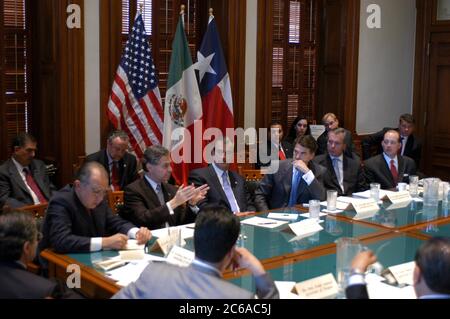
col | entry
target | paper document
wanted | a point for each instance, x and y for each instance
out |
(282, 216)
(180, 256)
(403, 273)
(263, 222)
(133, 245)
(127, 274)
(304, 228)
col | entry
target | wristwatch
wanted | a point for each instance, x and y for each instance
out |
(357, 271)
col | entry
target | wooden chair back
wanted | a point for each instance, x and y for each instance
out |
(115, 200)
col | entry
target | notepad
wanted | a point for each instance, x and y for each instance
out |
(263, 222)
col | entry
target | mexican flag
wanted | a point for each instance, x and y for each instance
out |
(183, 110)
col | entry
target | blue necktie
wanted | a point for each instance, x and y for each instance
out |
(229, 192)
(294, 189)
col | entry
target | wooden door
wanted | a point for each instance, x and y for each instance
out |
(437, 139)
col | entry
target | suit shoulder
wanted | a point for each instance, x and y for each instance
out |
(94, 157)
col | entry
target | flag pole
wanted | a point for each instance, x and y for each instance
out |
(211, 14)
(141, 5)
(182, 13)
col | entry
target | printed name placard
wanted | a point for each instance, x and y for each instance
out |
(399, 197)
(180, 256)
(403, 273)
(323, 287)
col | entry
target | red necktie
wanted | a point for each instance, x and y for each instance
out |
(394, 171)
(115, 177)
(34, 187)
(281, 155)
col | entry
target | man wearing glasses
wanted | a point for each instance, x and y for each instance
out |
(331, 122)
(18, 241)
(79, 219)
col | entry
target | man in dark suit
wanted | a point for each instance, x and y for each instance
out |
(276, 147)
(120, 165)
(431, 275)
(78, 217)
(152, 202)
(225, 187)
(345, 174)
(215, 235)
(296, 181)
(23, 179)
(389, 169)
(18, 241)
(411, 145)
(331, 122)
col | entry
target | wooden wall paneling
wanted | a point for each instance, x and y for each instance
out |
(264, 64)
(110, 53)
(4, 149)
(338, 76)
(351, 66)
(58, 117)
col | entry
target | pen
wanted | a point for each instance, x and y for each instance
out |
(267, 223)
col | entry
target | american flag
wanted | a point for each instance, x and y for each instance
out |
(135, 102)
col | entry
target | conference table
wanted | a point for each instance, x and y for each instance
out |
(394, 234)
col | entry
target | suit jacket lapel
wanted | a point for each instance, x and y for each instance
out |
(39, 179)
(401, 168)
(387, 171)
(86, 216)
(215, 180)
(105, 162)
(16, 177)
(150, 193)
(287, 177)
(330, 168)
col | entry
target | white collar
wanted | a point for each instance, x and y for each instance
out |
(18, 165)
(207, 266)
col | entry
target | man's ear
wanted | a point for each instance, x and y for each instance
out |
(417, 275)
(27, 248)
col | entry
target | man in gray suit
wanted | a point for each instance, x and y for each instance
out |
(345, 173)
(23, 179)
(215, 235)
(296, 181)
(389, 168)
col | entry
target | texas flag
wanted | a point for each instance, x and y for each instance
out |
(214, 82)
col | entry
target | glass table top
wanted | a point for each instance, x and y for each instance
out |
(266, 243)
(390, 252)
(397, 217)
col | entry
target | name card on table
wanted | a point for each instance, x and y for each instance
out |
(180, 256)
(403, 273)
(323, 287)
(399, 197)
(359, 205)
(165, 243)
(304, 228)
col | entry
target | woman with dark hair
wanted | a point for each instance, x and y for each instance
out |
(300, 127)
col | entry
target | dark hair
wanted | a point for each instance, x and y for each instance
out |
(16, 228)
(216, 232)
(307, 141)
(293, 132)
(118, 133)
(153, 155)
(21, 139)
(85, 171)
(408, 118)
(433, 260)
(275, 122)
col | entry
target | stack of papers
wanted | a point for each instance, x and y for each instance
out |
(128, 273)
(263, 222)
